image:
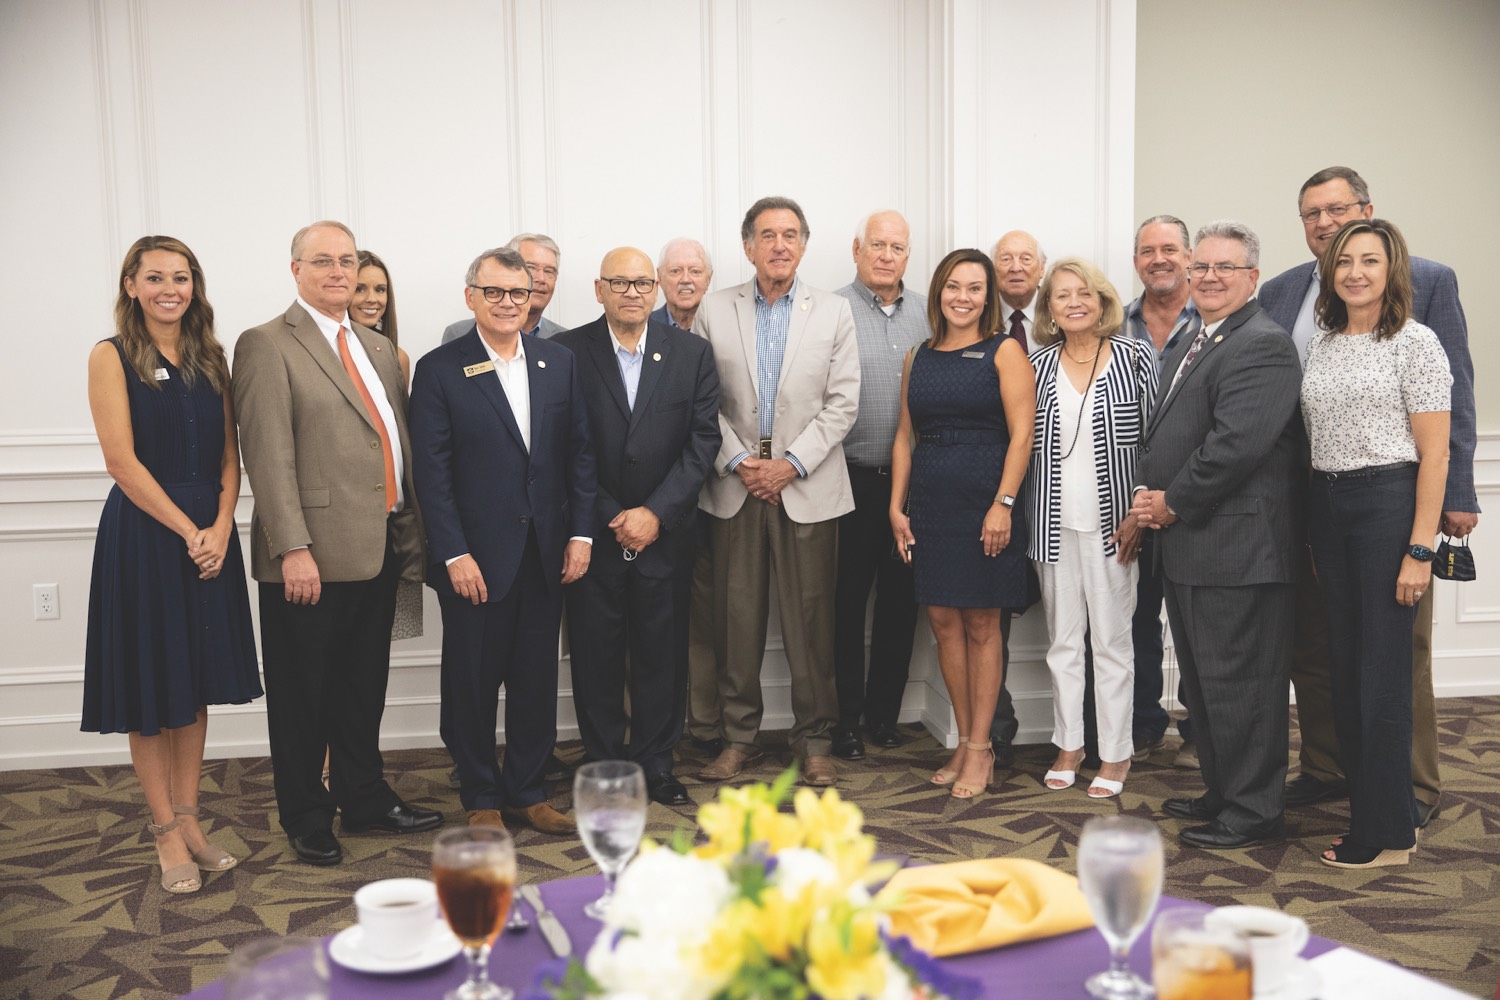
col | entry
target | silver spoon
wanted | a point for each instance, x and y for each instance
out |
(517, 924)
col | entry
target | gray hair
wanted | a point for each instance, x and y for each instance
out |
(1357, 183)
(1226, 229)
(506, 257)
(684, 241)
(772, 203)
(540, 239)
(862, 231)
(1164, 220)
(301, 236)
(1041, 255)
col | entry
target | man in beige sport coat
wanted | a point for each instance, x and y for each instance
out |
(321, 404)
(789, 375)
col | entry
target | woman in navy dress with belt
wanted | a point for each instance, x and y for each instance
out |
(169, 615)
(969, 400)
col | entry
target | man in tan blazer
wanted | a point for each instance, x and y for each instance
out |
(789, 372)
(321, 404)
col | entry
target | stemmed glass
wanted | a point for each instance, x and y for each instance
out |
(475, 871)
(1120, 873)
(609, 801)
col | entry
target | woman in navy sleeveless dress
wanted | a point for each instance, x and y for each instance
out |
(961, 450)
(169, 613)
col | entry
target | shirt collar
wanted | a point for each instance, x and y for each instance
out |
(640, 345)
(790, 296)
(873, 299)
(520, 351)
(326, 326)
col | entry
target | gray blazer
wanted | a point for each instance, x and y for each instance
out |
(545, 328)
(1434, 304)
(1228, 447)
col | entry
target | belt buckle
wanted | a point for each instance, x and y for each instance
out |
(765, 448)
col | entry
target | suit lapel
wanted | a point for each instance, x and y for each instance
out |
(602, 355)
(1166, 393)
(744, 307)
(651, 369)
(305, 331)
(488, 386)
(539, 382)
(801, 307)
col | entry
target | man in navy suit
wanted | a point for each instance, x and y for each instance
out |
(653, 403)
(502, 453)
(1328, 199)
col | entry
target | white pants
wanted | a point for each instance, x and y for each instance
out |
(1085, 589)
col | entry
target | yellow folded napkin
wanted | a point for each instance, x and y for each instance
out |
(969, 906)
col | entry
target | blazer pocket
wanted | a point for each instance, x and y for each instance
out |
(314, 498)
(672, 404)
(1237, 505)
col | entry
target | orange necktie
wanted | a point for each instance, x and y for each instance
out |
(385, 438)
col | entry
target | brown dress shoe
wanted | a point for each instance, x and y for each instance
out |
(728, 764)
(542, 817)
(486, 817)
(818, 770)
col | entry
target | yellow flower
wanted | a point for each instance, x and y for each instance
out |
(827, 821)
(845, 958)
(730, 937)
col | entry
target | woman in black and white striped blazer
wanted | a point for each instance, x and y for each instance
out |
(1093, 389)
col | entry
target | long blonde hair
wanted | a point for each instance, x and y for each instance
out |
(201, 354)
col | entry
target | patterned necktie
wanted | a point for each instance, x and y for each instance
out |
(385, 438)
(1192, 353)
(1017, 331)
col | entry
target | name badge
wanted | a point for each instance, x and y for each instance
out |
(484, 366)
(973, 354)
(162, 375)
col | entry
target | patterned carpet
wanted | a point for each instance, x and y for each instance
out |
(82, 915)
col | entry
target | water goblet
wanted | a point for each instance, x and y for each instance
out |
(609, 802)
(1120, 873)
(474, 868)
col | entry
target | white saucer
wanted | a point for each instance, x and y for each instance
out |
(347, 949)
(1302, 983)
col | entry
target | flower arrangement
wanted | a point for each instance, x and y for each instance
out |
(773, 906)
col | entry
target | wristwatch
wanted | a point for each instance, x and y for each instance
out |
(1006, 500)
(1421, 553)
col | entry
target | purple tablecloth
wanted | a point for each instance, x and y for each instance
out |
(1054, 968)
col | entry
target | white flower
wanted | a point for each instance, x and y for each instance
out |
(647, 966)
(798, 867)
(668, 894)
(897, 984)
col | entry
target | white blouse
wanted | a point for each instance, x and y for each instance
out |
(1358, 393)
(1078, 479)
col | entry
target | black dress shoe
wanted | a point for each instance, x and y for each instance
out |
(1305, 790)
(320, 847)
(556, 770)
(847, 745)
(400, 818)
(1216, 836)
(1189, 809)
(885, 734)
(708, 748)
(667, 790)
(1426, 814)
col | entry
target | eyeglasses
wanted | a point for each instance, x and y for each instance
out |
(622, 285)
(1222, 269)
(493, 294)
(326, 263)
(878, 247)
(1334, 212)
(544, 271)
(1007, 259)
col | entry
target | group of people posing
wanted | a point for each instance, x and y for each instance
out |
(1270, 467)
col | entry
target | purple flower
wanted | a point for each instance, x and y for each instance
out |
(925, 969)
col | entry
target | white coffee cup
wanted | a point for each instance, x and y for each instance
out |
(396, 916)
(1276, 939)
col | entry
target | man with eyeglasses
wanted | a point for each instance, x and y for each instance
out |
(542, 257)
(321, 404)
(1221, 458)
(789, 383)
(505, 470)
(889, 320)
(653, 400)
(1328, 199)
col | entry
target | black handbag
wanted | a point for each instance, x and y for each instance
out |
(1454, 561)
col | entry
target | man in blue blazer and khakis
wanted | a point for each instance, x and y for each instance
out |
(653, 402)
(1328, 199)
(502, 455)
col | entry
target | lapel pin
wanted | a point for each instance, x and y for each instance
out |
(804, 307)
(377, 347)
(656, 357)
(541, 364)
(1218, 338)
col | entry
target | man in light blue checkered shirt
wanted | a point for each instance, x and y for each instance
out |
(789, 375)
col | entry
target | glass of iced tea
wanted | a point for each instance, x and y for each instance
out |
(1196, 960)
(474, 868)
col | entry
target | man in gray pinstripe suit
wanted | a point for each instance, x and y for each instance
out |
(1218, 473)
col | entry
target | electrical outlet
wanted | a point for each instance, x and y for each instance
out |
(44, 601)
